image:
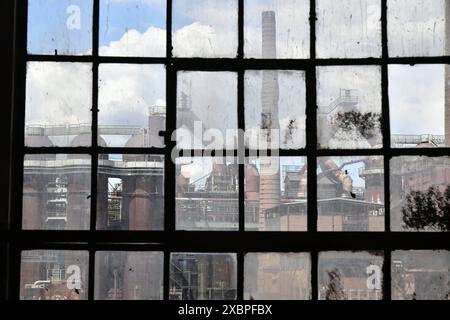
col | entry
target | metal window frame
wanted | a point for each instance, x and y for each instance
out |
(171, 240)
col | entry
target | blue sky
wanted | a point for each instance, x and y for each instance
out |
(415, 91)
(47, 28)
(116, 17)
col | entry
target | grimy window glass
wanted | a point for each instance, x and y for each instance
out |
(230, 149)
(348, 28)
(68, 32)
(132, 105)
(56, 117)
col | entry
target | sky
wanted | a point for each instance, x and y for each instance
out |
(60, 93)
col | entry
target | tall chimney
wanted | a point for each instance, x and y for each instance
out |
(447, 74)
(269, 196)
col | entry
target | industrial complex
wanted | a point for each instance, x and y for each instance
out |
(130, 196)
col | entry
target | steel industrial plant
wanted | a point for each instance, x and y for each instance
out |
(130, 196)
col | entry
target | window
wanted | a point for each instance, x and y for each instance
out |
(232, 149)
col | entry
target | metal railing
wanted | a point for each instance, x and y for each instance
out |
(356, 294)
(346, 97)
(402, 139)
(83, 128)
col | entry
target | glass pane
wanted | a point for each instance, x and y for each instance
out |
(275, 194)
(132, 28)
(202, 276)
(420, 193)
(60, 27)
(206, 110)
(132, 105)
(348, 28)
(350, 193)
(207, 193)
(123, 275)
(54, 275)
(349, 107)
(346, 275)
(205, 28)
(277, 276)
(58, 104)
(418, 27)
(419, 115)
(275, 100)
(420, 275)
(276, 29)
(130, 192)
(56, 192)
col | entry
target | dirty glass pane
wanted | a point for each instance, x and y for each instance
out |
(205, 28)
(275, 194)
(132, 28)
(277, 276)
(350, 193)
(58, 104)
(275, 103)
(418, 27)
(56, 192)
(417, 105)
(348, 28)
(59, 27)
(207, 193)
(349, 107)
(420, 275)
(420, 193)
(130, 192)
(132, 105)
(121, 275)
(54, 275)
(346, 275)
(276, 29)
(202, 276)
(206, 110)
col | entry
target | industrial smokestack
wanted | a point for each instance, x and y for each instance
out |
(269, 37)
(270, 91)
(447, 74)
(270, 176)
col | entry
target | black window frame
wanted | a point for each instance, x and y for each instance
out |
(14, 239)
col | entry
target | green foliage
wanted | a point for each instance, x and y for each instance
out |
(365, 123)
(427, 210)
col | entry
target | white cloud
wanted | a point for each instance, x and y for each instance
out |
(58, 93)
(199, 40)
(130, 87)
(151, 43)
